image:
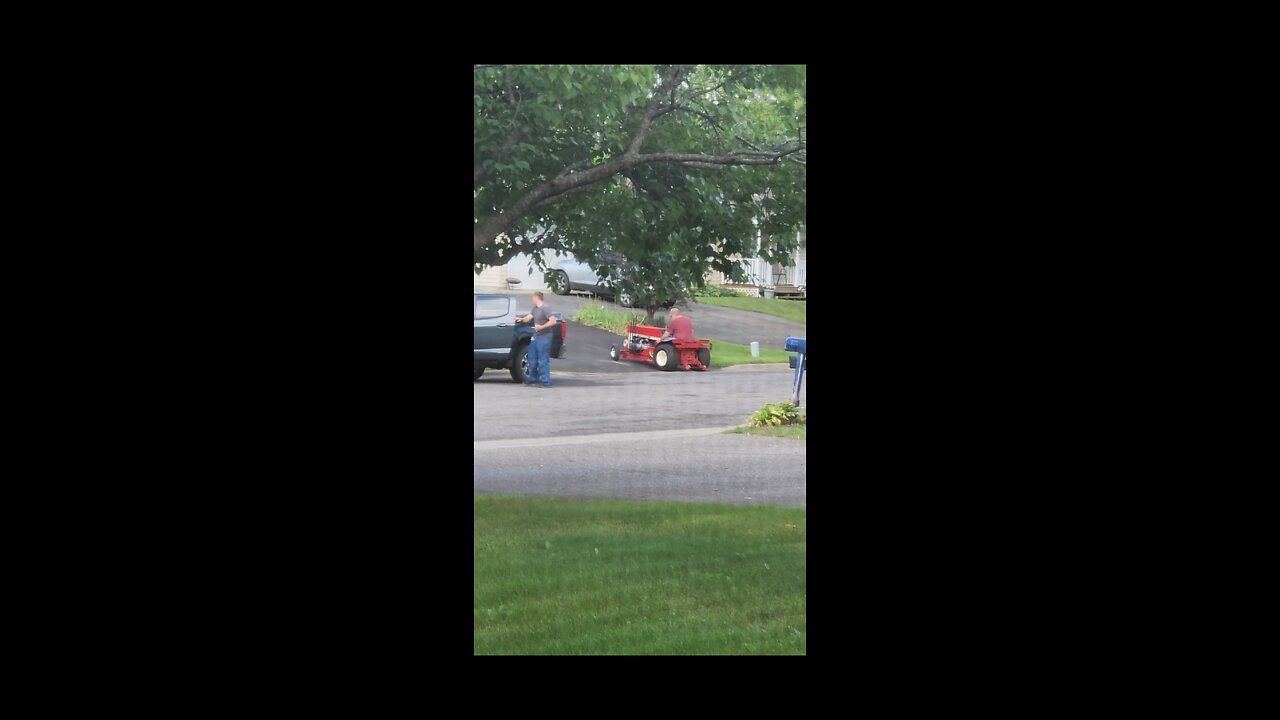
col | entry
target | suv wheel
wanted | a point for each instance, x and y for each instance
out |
(520, 364)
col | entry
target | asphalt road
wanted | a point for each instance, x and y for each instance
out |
(628, 430)
(735, 469)
(594, 394)
(589, 352)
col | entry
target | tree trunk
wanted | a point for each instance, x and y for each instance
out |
(648, 316)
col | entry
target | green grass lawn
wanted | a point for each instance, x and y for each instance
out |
(795, 431)
(787, 309)
(575, 577)
(724, 353)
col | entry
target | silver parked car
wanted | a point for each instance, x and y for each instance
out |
(573, 274)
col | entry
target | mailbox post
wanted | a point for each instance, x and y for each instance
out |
(797, 345)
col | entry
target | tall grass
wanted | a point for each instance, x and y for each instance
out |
(615, 321)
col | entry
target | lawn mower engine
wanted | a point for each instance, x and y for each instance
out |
(642, 344)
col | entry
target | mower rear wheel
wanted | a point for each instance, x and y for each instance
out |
(704, 356)
(666, 357)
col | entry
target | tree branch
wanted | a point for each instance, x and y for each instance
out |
(486, 231)
(568, 170)
(567, 181)
(799, 144)
(726, 81)
(766, 158)
(714, 123)
(672, 79)
(547, 192)
(556, 196)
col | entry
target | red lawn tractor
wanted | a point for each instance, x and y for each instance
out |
(642, 345)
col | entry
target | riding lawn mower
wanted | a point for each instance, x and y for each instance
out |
(644, 344)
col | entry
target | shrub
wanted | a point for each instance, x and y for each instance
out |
(775, 414)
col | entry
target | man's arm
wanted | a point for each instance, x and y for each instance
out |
(551, 322)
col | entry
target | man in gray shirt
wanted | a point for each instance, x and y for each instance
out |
(540, 346)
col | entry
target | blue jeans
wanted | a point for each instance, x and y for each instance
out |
(540, 359)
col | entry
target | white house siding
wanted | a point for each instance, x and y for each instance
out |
(492, 278)
(521, 267)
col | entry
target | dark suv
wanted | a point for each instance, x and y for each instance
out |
(501, 342)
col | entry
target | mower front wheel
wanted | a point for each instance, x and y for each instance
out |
(704, 357)
(666, 357)
(613, 352)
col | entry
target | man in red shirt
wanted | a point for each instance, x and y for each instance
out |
(680, 327)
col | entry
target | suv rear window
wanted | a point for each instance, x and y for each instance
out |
(492, 306)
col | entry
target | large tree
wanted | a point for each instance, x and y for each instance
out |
(681, 162)
(675, 226)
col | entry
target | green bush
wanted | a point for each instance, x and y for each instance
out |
(775, 414)
(711, 291)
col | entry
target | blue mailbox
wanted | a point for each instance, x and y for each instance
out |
(797, 345)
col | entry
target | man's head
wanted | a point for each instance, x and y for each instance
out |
(537, 298)
(675, 312)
